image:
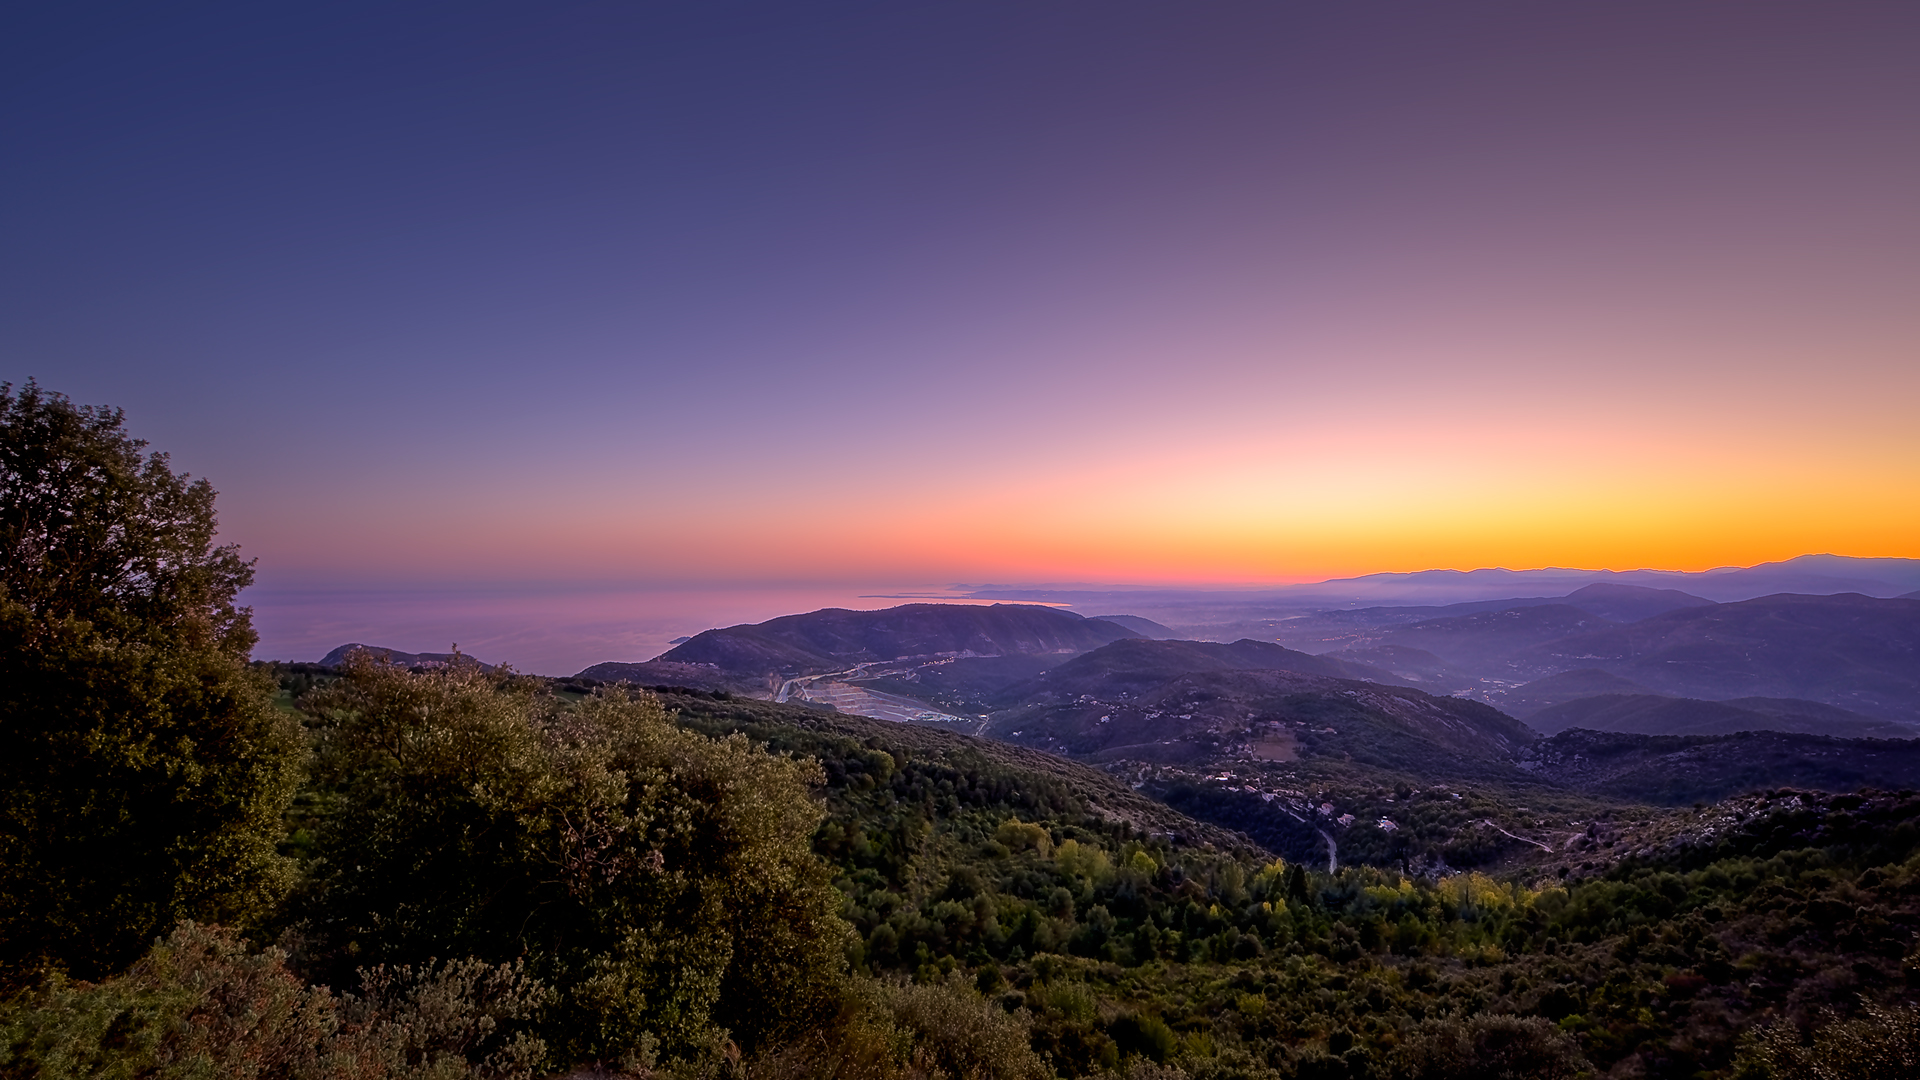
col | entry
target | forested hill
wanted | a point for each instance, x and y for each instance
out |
(1677, 935)
(1142, 663)
(1194, 702)
(1853, 651)
(959, 771)
(835, 638)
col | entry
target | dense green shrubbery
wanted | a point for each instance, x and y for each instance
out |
(1882, 1043)
(1126, 947)
(666, 890)
(654, 878)
(200, 1004)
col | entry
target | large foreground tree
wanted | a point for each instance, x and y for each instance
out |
(143, 768)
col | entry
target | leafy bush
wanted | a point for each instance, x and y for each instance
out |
(1489, 1047)
(955, 1033)
(200, 1005)
(1883, 1043)
(661, 882)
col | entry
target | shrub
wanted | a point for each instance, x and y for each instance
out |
(661, 882)
(1883, 1043)
(200, 1005)
(1488, 1047)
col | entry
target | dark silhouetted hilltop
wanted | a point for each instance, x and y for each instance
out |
(1630, 603)
(835, 638)
(395, 656)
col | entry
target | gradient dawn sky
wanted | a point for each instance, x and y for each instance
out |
(823, 295)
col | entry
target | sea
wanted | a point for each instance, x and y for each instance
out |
(539, 630)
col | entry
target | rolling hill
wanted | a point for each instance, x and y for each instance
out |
(1492, 643)
(1679, 769)
(1849, 650)
(1630, 603)
(1361, 628)
(394, 656)
(835, 638)
(1524, 701)
(1197, 701)
(1652, 714)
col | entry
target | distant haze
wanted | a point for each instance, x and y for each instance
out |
(559, 630)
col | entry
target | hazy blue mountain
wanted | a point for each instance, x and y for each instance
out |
(1652, 714)
(1146, 628)
(1524, 701)
(1679, 769)
(1853, 651)
(1416, 666)
(1630, 603)
(1489, 642)
(1810, 574)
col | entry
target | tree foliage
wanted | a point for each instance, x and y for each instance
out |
(93, 529)
(200, 1004)
(1883, 1042)
(661, 882)
(143, 769)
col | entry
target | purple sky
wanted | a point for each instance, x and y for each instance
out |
(483, 296)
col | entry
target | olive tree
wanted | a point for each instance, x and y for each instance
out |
(143, 768)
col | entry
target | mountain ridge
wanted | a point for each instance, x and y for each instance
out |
(835, 638)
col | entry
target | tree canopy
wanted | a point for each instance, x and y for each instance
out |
(663, 883)
(92, 528)
(143, 767)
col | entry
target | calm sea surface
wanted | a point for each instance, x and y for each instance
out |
(556, 631)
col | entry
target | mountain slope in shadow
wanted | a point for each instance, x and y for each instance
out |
(1652, 714)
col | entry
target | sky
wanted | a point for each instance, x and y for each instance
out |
(468, 300)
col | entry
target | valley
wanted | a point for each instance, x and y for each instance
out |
(1486, 734)
(1210, 851)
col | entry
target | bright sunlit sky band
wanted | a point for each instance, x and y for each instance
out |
(779, 293)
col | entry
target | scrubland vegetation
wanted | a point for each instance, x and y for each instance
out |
(463, 873)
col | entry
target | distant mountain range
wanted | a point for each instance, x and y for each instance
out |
(1854, 652)
(1583, 690)
(1810, 574)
